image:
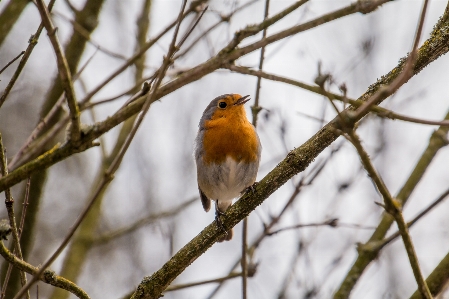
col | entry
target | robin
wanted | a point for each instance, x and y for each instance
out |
(227, 154)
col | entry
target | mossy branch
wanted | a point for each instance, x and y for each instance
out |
(48, 276)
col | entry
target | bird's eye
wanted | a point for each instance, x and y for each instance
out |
(222, 105)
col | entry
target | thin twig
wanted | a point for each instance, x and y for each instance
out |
(150, 96)
(334, 223)
(85, 233)
(367, 253)
(392, 207)
(192, 27)
(255, 108)
(194, 284)
(25, 205)
(223, 19)
(393, 115)
(48, 276)
(142, 222)
(89, 105)
(406, 74)
(86, 34)
(83, 67)
(244, 259)
(12, 61)
(378, 245)
(341, 119)
(381, 112)
(196, 73)
(31, 44)
(9, 202)
(108, 177)
(137, 55)
(64, 72)
(365, 7)
(41, 125)
(40, 144)
(43, 122)
(255, 111)
(160, 73)
(255, 29)
(312, 117)
(6, 280)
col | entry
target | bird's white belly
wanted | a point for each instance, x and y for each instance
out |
(231, 183)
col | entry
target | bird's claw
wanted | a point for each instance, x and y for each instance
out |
(251, 188)
(220, 225)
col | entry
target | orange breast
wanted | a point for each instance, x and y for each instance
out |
(231, 135)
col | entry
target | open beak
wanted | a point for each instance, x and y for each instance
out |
(242, 100)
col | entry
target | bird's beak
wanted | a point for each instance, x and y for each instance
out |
(242, 100)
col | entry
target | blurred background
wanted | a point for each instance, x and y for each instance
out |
(152, 208)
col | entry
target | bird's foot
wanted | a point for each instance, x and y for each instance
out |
(251, 188)
(220, 225)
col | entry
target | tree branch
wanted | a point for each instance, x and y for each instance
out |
(381, 112)
(435, 46)
(393, 208)
(295, 162)
(64, 72)
(9, 202)
(31, 44)
(48, 276)
(437, 280)
(11, 62)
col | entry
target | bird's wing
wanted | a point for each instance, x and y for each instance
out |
(204, 200)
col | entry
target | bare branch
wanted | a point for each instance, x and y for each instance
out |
(142, 222)
(40, 126)
(86, 34)
(381, 112)
(358, 6)
(187, 77)
(378, 245)
(223, 19)
(46, 276)
(20, 230)
(12, 61)
(64, 72)
(393, 208)
(437, 141)
(426, 55)
(437, 280)
(9, 202)
(32, 43)
(137, 55)
(194, 284)
(255, 109)
(334, 223)
(25, 205)
(406, 72)
(108, 177)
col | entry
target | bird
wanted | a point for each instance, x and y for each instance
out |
(227, 154)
